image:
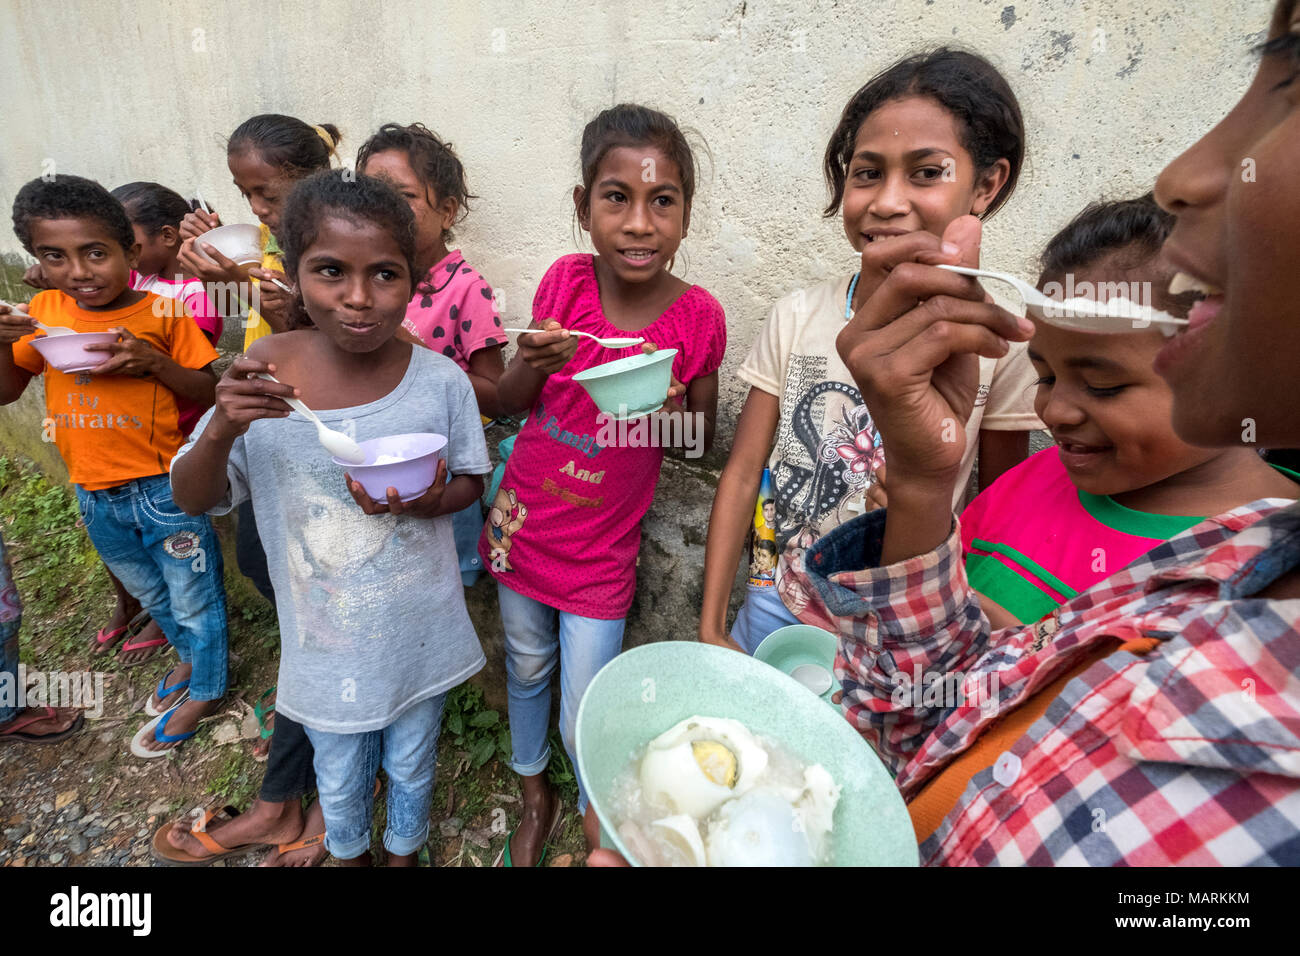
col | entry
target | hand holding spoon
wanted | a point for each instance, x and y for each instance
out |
(336, 443)
(609, 343)
(48, 329)
(1079, 314)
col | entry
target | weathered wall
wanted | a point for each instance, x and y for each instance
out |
(1111, 92)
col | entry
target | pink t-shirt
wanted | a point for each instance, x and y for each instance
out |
(565, 525)
(205, 315)
(452, 311)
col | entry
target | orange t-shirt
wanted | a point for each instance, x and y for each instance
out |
(112, 429)
(938, 797)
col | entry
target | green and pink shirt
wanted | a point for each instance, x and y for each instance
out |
(1033, 541)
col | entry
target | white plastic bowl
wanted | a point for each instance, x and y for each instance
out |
(67, 353)
(240, 243)
(411, 473)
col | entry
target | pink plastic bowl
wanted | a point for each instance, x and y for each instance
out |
(411, 475)
(67, 353)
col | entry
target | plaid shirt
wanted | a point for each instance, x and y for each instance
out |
(1189, 754)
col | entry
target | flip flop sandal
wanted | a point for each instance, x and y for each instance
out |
(12, 732)
(158, 729)
(163, 692)
(103, 638)
(132, 645)
(168, 855)
(503, 858)
(303, 844)
(263, 712)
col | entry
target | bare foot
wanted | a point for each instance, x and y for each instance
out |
(119, 621)
(179, 674)
(540, 802)
(308, 856)
(61, 722)
(409, 859)
(262, 823)
(151, 631)
(185, 719)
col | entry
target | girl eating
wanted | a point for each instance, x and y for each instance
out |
(372, 616)
(934, 137)
(564, 529)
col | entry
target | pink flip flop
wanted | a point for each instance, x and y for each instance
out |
(128, 647)
(12, 732)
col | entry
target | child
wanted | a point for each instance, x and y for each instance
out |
(156, 214)
(452, 311)
(936, 136)
(1151, 721)
(372, 617)
(117, 428)
(563, 540)
(266, 154)
(1120, 480)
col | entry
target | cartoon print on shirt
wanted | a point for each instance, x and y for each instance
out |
(843, 461)
(505, 517)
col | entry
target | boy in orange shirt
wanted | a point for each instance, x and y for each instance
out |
(116, 426)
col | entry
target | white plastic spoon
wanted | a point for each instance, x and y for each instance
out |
(813, 676)
(50, 330)
(1083, 315)
(198, 196)
(336, 443)
(610, 343)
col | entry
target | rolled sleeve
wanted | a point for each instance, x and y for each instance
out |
(896, 625)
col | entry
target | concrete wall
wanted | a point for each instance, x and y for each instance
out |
(1111, 92)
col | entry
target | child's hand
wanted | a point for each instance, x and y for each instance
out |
(548, 350)
(198, 222)
(129, 356)
(242, 399)
(876, 497)
(675, 388)
(196, 264)
(913, 349)
(34, 276)
(14, 324)
(272, 301)
(959, 244)
(425, 506)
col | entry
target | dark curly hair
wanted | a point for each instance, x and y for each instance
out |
(285, 142)
(629, 124)
(347, 195)
(1134, 229)
(965, 84)
(432, 160)
(69, 197)
(151, 206)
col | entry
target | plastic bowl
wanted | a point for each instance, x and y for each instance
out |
(412, 472)
(800, 645)
(644, 691)
(630, 387)
(240, 243)
(67, 353)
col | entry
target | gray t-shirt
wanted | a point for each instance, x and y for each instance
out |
(371, 607)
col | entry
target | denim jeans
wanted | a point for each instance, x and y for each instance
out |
(467, 528)
(537, 638)
(760, 615)
(11, 616)
(345, 780)
(171, 563)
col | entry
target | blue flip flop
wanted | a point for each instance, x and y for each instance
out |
(163, 692)
(158, 729)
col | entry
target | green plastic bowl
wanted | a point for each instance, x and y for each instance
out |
(800, 645)
(630, 387)
(645, 691)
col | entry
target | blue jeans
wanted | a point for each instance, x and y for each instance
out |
(760, 615)
(537, 638)
(171, 563)
(10, 619)
(345, 780)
